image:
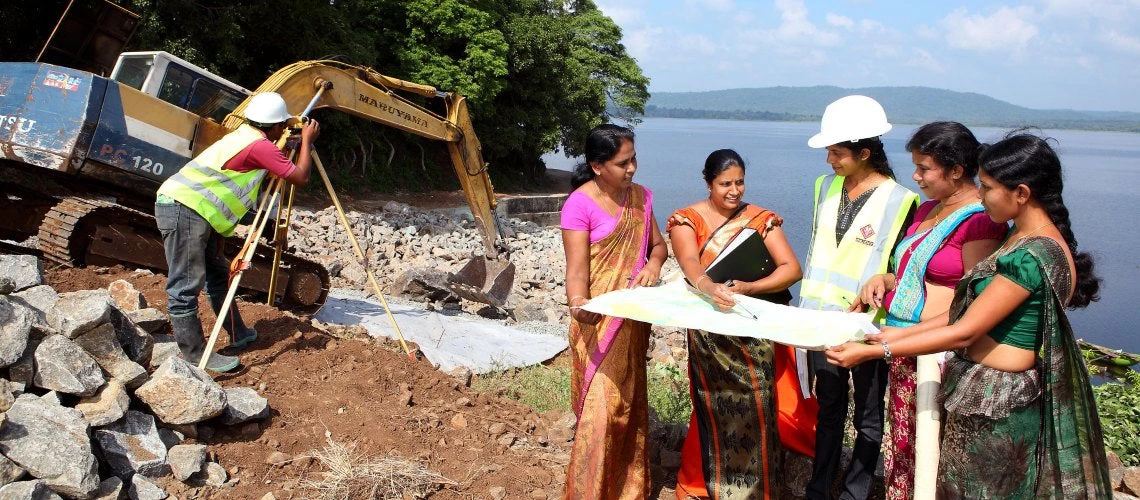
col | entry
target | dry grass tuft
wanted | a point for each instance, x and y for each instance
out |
(352, 475)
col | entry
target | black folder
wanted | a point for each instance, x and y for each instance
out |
(746, 259)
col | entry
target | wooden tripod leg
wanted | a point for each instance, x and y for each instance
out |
(251, 246)
(359, 254)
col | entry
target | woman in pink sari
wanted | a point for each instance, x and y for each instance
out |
(611, 242)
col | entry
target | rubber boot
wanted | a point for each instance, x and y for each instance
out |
(241, 336)
(188, 334)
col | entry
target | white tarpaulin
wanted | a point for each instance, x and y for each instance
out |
(676, 304)
(449, 341)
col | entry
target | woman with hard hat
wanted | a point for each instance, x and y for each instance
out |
(201, 204)
(860, 212)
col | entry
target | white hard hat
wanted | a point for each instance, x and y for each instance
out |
(267, 108)
(850, 118)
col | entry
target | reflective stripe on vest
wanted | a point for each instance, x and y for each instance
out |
(220, 196)
(835, 272)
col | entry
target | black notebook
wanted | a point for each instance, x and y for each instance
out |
(746, 259)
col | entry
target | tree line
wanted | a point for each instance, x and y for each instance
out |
(538, 74)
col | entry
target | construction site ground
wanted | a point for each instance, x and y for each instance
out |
(332, 389)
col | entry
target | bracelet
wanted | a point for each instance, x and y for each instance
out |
(886, 352)
(698, 283)
(572, 307)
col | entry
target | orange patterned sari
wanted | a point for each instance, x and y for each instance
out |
(610, 459)
(745, 393)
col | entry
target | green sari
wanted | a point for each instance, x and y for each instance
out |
(1031, 434)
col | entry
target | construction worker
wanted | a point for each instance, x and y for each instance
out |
(202, 203)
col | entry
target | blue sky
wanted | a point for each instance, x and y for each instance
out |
(1076, 54)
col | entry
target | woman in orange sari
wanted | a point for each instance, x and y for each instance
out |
(611, 242)
(731, 450)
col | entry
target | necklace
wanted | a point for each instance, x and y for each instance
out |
(602, 197)
(1011, 241)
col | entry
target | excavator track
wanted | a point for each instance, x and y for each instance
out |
(88, 231)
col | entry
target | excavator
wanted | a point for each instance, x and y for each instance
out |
(85, 143)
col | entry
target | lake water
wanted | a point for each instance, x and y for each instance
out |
(1100, 192)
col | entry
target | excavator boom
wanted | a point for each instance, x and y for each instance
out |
(362, 92)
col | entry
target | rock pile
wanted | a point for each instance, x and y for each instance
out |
(411, 251)
(83, 417)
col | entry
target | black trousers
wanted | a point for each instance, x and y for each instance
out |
(831, 389)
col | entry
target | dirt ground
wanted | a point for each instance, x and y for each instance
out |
(365, 394)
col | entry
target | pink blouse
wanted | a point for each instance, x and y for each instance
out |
(946, 268)
(582, 213)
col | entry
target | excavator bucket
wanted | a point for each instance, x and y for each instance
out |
(484, 280)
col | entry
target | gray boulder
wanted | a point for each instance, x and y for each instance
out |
(136, 341)
(164, 348)
(9, 471)
(24, 270)
(28, 490)
(23, 371)
(179, 393)
(149, 319)
(144, 489)
(103, 345)
(430, 284)
(132, 445)
(15, 327)
(7, 285)
(216, 475)
(109, 404)
(40, 299)
(61, 365)
(110, 489)
(170, 438)
(244, 404)
(76, 313)
(51, 443)
(185, 460)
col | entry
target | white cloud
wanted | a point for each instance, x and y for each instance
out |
(717, 5)
(639, 42)
(698, 44)
(795, 27)
(1122, 41)
(1005, 29)
(871, 26)
(840, 21)
(925, 60)
(623, 15)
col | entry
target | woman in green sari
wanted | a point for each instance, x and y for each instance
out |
(1019, 417)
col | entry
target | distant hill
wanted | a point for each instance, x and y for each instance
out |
(903, 105)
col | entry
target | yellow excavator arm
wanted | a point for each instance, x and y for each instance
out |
(362, 92)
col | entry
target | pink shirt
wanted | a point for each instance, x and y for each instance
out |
(945, 267)
(581, 213)
(261, 154)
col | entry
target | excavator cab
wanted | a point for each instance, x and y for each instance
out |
(178, 82)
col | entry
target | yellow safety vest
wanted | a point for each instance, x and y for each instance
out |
(220, 196)
(835, 272)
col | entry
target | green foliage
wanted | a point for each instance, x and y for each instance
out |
(546, 388)
(537, 74)
(543, 388)
(1118, 404)
(669, 393)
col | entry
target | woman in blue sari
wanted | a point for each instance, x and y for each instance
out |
(950, 234)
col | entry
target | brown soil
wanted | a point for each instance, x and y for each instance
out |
(354, 390)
